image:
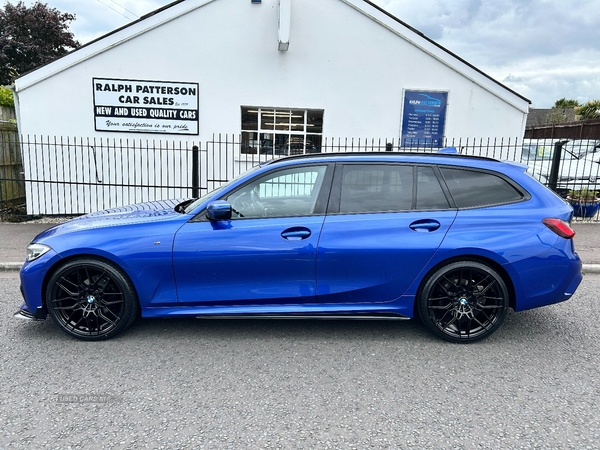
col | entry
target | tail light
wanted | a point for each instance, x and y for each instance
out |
(560, 227)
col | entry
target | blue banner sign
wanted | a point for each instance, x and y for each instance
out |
(423, 119)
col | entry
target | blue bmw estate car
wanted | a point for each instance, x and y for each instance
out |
(456, 240)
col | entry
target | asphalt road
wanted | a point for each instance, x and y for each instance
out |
(303, 384)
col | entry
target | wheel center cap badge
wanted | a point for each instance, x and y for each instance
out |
(91, 299)
(463, 301)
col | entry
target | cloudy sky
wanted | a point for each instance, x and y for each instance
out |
(543, 49)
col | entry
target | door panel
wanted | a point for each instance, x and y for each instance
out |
(377, 243)
(267, 252)
(376, 257)
(247, 261)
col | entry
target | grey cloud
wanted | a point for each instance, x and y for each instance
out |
(543, 49)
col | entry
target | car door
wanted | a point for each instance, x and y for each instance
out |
(266, 253)
(385, 222)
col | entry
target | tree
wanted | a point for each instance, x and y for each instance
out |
(591, 110)
(32, 37)
(557, 116)
(6, 97)
(563, 103)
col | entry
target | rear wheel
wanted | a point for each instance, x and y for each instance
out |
(464, 301)
(91, 299)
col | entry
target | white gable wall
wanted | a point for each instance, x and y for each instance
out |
(339, 60)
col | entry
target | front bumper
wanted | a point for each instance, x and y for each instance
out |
(32, 281)
(37, 316)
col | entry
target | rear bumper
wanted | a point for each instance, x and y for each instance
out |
(546, 279)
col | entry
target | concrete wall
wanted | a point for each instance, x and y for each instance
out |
(352, 65)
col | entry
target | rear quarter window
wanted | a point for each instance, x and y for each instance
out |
(471, 188)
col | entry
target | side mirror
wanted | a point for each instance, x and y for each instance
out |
(218, 210)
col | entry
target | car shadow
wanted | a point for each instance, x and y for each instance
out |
(297, 329)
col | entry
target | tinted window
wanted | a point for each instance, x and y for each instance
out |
(373, 188)
(290, 192)
(470, 188)
(429, 192)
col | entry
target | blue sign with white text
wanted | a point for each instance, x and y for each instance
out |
(424, 118)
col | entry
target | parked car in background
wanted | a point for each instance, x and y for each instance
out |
(579, 164)
(455, 240)
(593, 151)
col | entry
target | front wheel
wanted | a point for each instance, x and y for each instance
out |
(464, 301)
(91, 299)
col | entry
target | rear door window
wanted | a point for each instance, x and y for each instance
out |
(367, 188)
(376, 188)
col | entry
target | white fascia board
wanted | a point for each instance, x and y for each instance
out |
(108, 42)
(440, 54)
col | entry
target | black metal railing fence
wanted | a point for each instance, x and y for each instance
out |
(56, 176)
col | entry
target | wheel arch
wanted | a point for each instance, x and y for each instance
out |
(61, 262)
(471, 258)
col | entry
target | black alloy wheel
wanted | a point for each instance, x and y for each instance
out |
(91, 299)
(464, 301)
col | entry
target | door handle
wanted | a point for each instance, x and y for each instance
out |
(296, 233)
(425, 225)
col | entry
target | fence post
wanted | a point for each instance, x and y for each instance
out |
(195, 172)
(553, 179)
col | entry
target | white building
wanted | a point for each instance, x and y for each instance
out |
(285, 75)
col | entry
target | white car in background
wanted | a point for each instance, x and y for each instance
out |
(579, 163)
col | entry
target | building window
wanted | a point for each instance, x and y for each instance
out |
(281, 131)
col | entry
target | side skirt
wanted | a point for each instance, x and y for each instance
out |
(371, 311)
(305, 317)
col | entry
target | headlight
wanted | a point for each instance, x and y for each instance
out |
(34, 251)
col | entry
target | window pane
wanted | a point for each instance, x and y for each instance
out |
(296, 144)
(297, 120)
(429, 191)
(313, 143)
(282, 120)
(470, 189)
(249, 119)
(281, 144)
(372, 188)
(314, 121)
(267, 119)
(290, 192)
(266, 144)
(249, 142)
(295, 184)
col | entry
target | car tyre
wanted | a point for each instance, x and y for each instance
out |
(463, 301)
(91, 299)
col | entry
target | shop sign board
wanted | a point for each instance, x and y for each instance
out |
(140, 106)
(424, 118)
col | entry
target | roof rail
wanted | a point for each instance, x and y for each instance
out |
(382, 154)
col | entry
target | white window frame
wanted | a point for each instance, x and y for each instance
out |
(279, 137)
